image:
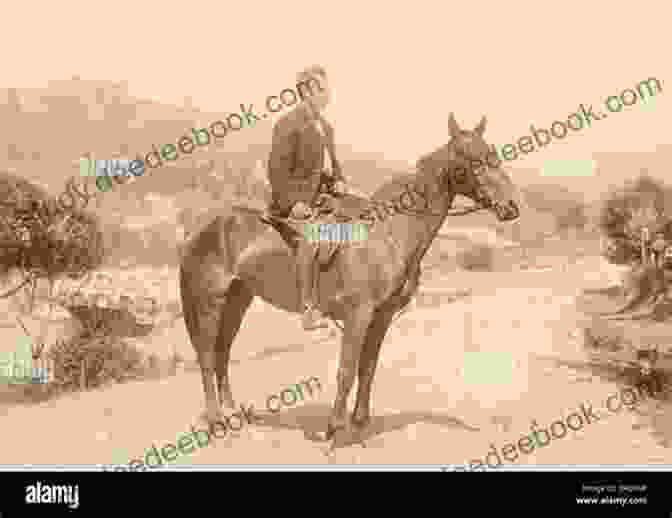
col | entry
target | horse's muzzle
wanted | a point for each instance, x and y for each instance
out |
(506, 211)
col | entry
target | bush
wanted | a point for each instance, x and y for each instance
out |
(642, 203)
(107, 359)
(637, 204)
(49, 240)
(478, 257)
(621, 251)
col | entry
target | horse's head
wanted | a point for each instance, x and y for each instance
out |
(463, 166)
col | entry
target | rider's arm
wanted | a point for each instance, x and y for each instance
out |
(338, 174)
(335, 164)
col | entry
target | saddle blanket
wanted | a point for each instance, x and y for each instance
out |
(336, 232)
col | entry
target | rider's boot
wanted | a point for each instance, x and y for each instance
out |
(308, 271)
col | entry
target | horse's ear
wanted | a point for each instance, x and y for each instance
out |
(453, 128)
(480, 129)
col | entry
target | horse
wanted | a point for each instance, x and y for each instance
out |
(222, 269)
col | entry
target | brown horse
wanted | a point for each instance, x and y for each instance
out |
(223, 268)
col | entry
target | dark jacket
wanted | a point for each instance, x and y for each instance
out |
(297, 157)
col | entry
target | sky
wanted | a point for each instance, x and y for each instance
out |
(397, 69)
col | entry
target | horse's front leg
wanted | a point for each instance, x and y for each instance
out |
(357, 323)
(367, 365)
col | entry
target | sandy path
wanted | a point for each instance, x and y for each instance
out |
(452, 380)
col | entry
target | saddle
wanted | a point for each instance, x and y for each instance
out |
(328, 208)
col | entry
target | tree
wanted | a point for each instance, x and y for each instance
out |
(40, 238)
(646, 202)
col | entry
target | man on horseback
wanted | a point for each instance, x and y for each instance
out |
(302, 153)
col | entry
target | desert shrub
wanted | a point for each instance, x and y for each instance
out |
(477, 257)
(642, 203)
(636, 204)
(621, 251)
(43, 238)
(105, 358)
(611, 349)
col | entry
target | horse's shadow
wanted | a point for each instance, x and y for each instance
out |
(270, 352)
(312, 420)
(611, 291)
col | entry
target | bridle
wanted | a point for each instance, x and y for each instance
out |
(447, 180)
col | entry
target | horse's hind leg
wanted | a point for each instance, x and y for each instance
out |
(367, 366)
(204, 340)
(202, 314)
(238, 300)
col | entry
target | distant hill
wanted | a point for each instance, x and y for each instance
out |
(613, 169)
(52, 127)
(48, 129)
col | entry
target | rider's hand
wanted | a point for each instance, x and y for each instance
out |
(340, 188)
(300, 210)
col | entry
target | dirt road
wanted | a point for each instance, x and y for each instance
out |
(453, 379)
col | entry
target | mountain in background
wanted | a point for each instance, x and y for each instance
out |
(49, 129)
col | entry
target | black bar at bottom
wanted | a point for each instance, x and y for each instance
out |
(642, 494)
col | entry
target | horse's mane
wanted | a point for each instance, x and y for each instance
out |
(395, 185)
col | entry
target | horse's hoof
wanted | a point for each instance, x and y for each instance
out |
(319, 436)
(329, 433)
(343, 437)
(322, 436)
(360, 423)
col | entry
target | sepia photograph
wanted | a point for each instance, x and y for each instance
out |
(336, 236)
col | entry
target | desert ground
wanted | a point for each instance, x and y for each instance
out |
(456, 375)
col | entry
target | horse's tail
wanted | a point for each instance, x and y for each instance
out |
(189, 301)
(210, 253)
